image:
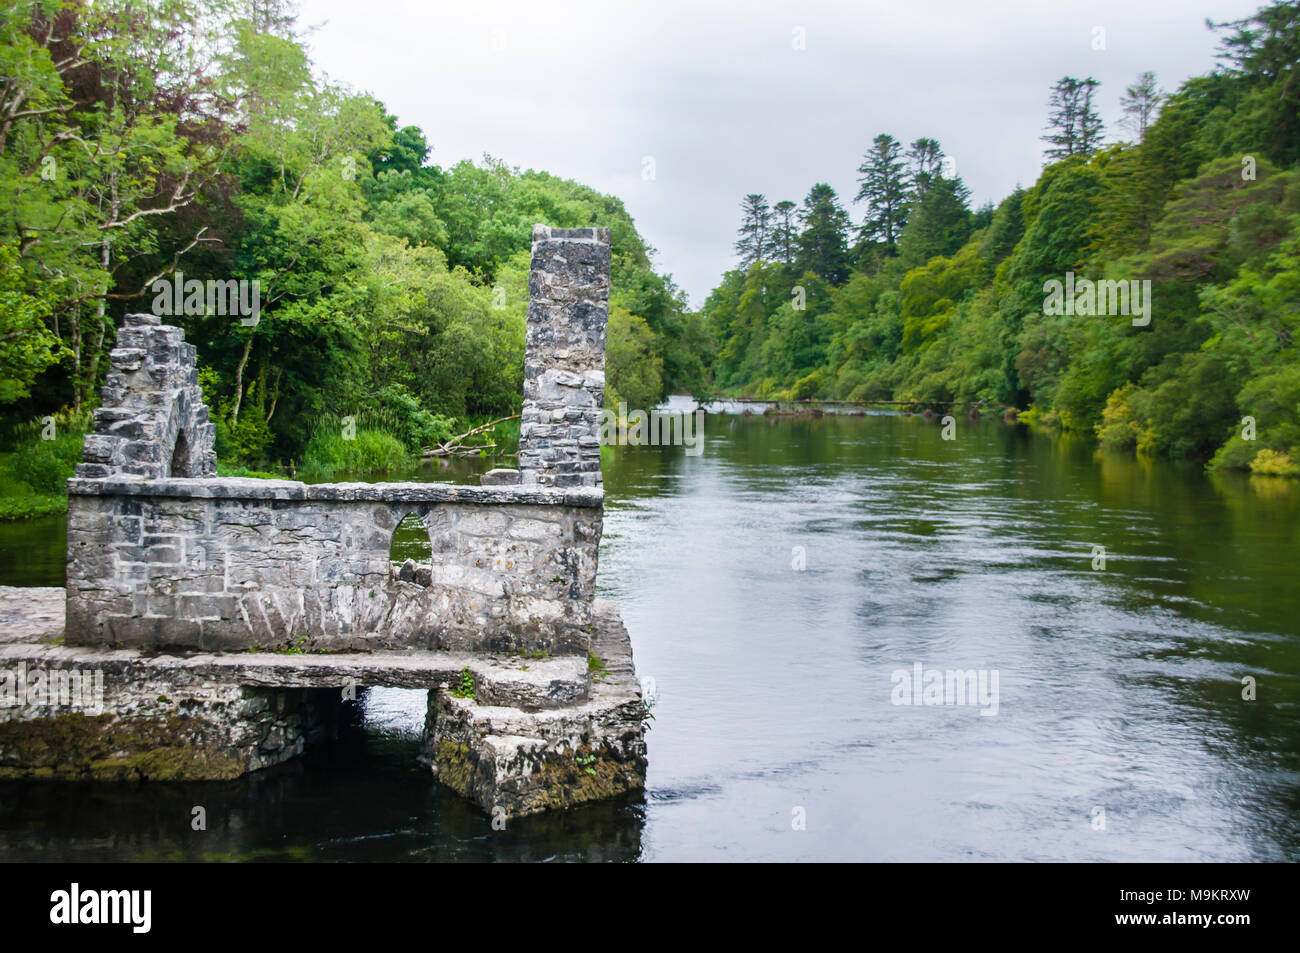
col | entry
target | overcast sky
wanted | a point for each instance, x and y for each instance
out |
(721, 100)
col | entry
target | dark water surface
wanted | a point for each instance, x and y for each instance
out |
(1119, 689)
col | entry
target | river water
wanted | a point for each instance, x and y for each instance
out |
(782, 588)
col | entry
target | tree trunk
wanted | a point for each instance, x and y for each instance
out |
(74, 318)
(84, 388)
(239, 381)
(105, 258)
(275, 393)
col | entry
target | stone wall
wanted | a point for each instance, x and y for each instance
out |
(236, 564)
(153, 422)
(564, 361)
(147, 723)
(524, 736)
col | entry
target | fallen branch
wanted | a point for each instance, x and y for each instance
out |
(453, 446)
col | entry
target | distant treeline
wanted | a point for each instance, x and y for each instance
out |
(930, 301)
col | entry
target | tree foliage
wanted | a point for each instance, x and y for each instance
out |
(140, 138)
(1074, 127)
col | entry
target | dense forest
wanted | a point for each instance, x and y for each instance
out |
(140, 139)
(927, 300)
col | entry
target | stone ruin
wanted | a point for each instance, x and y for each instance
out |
(230, 617)
(152, 421)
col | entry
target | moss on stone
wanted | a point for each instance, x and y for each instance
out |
(564, 781)
(109, 748)
(455, 766)
(170, 764)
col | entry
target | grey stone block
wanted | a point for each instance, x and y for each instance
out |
(500, 477)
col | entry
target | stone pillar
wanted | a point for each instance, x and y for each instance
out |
(564, 360)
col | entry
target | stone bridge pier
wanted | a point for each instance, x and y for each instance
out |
(212, 626)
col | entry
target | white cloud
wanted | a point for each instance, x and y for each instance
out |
(725, 105)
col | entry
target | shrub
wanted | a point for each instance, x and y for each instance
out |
(394, 411)
(1119, 429)
(1272, 463)
(45, 465)
(31, 507)
(244, 441)
(807, 387)
(1236, 454)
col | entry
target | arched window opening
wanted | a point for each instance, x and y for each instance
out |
(180, 465)
(411, 553)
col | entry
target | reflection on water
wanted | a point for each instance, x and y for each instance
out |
(34, 552)
(363, 798)
(1120, 688)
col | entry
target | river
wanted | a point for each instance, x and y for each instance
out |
(782, 588)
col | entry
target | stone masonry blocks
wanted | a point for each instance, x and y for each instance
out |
(512, 568)
(153, 422)
(564, 360)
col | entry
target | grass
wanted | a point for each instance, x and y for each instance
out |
(369, 451)
(230, 470)
(30, 506)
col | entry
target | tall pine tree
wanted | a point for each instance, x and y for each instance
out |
(1140, 102)
(939, 223)
(883, 187)
(823, 243)
(1074, 128)
(924, 160)
(784, 235)
(755, 230)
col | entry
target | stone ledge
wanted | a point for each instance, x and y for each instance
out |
(587, 236)
(31, 619)
(31, 614)
(507, 681)
(240, 488)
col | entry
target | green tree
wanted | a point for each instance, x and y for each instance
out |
(924, 160)
(27, 346)
(96, 166)
(784, 234)
(939, 223)
(755, 242)
(883, 186)
(1074, 128)
(1140, 103)
(1263, 52)
(634, 372)
(823, 242)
